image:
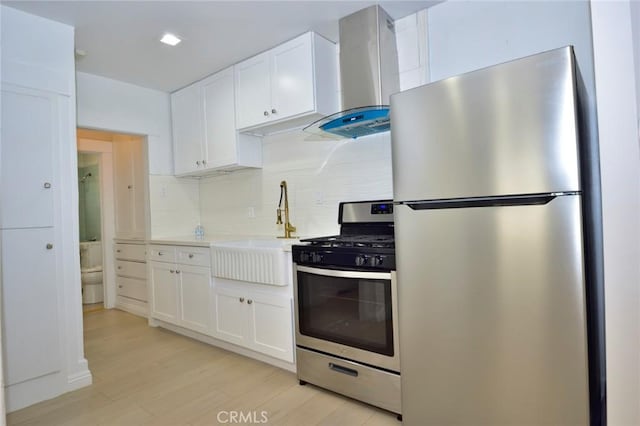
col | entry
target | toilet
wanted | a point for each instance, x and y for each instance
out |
(91, 271)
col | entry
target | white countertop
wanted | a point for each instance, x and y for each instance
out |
(211, 240)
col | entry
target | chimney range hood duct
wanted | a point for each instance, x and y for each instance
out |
(368, 75)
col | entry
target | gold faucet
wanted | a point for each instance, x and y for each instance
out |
(288, 227)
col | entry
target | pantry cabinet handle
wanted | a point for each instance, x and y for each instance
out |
(47, 185)
(249, 302)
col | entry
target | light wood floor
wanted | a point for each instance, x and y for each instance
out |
(150, 376)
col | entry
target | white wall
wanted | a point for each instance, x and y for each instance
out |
(112, 105)
(115, 106)
(615, 80)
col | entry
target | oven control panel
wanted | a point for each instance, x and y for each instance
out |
(303, 255)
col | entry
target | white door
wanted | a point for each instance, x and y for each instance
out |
(219, 119)
(29, 133)
(230, 315)
(186, 117)
(164, 291)
(195, 292)
(123, 188)
(31, 335)
(292, 78)
(271, 322)
(253, 91)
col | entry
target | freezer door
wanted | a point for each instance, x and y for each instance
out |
(504, 130)
(492, 315)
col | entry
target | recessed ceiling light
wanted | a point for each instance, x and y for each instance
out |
(170, 39)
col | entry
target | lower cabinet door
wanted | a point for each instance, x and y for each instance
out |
(195, 292)
(270, 325)
(30, 306)
(230, 315)
(164, 291)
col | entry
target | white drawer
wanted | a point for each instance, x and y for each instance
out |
(197, 256)
(130, 251)
(162, 253)
(131, 269)
(132, 287)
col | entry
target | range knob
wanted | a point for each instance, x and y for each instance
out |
(362, 260)
(304, 256)
(378, 261)
(317, 258)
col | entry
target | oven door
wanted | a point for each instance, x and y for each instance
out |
(350, 314)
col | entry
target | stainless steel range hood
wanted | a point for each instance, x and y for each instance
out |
(368, 75)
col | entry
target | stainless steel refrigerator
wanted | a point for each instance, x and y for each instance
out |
(490, 226)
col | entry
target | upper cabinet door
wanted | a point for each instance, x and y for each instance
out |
(186, 112)
(219, 119)
(292, 80)
(29, 134)
(253, 91)
(123, 188)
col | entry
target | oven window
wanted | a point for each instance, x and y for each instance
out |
(351, 311)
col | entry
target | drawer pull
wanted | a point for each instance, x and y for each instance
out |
(120, 286)
(160, 253)
(190, 255)
(172, 271)
(343, 370)
(119, 267)
(177, 271)
(118, 251)
(241, 299)
(249, 302)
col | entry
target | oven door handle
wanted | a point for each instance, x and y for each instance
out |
(345, 274)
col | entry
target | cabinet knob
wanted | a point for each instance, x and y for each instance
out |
(49, 246)
(190, 255)
(198, 163)
(249, 302)
(273, 111)
(172, 271)
(118, 251)
(120, 286)
(47, 185)
(266, 113)
(241, 299)
(129, 186)
(160, 253)
(177, 271)
(204, 162)
(119, 267)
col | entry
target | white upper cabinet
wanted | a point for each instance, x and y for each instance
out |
(186, 115)
(288, 86)
(204, 129)
(29, 133)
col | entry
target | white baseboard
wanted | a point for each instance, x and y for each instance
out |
(79, 380)
(21, 395)
(132, 306)
(225, 345)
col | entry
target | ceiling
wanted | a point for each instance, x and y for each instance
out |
(120, 38)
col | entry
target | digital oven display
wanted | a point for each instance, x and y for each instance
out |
(384, 208)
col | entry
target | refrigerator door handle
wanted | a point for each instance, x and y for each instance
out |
(496, 201)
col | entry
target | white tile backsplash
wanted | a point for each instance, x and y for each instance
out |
(175, 205)
(319, 175)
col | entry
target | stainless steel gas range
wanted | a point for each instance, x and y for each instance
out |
(346, 307)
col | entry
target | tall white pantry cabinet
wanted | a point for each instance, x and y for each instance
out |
(41, 301)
